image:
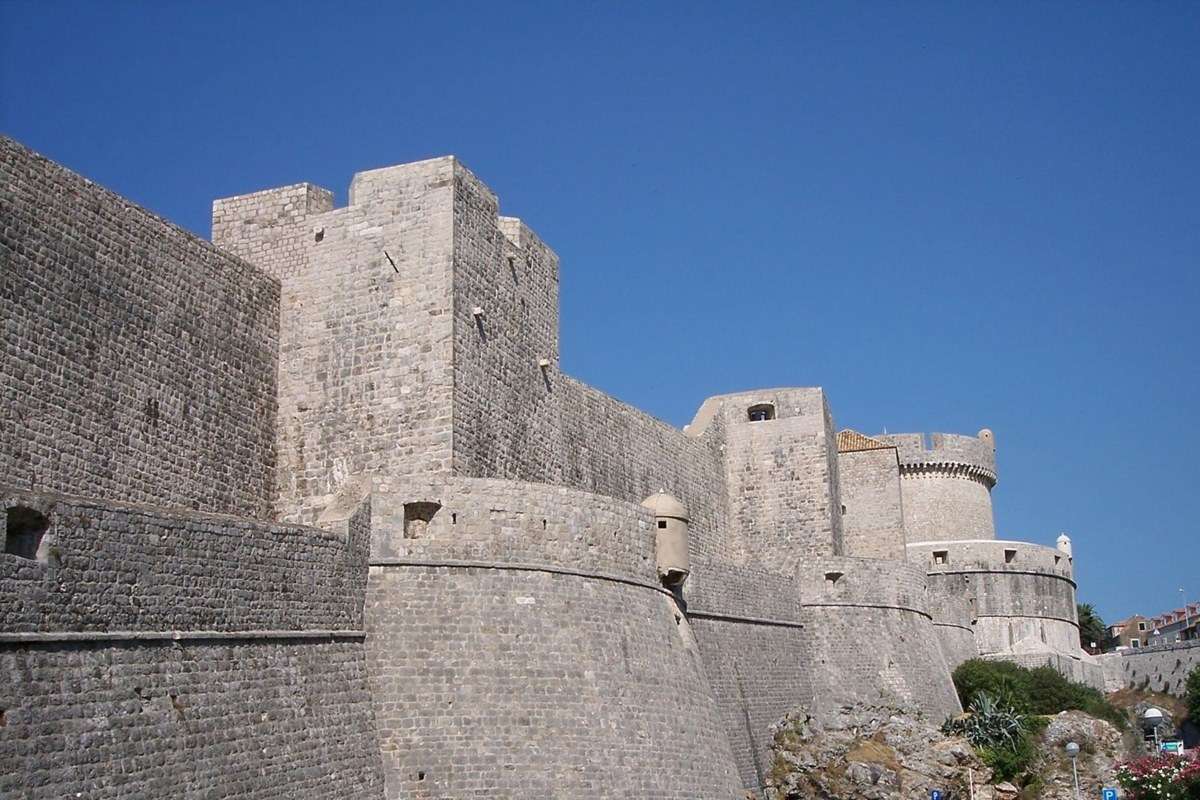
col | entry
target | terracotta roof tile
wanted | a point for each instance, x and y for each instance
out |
(849, 441)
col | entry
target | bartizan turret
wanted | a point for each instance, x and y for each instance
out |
(671, 544)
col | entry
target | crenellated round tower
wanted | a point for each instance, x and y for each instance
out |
(946, 485)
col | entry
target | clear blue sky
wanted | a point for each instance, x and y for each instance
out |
(948, 215)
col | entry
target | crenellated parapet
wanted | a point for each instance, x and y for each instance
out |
(946, 481)
(946, 454)
(1021, 596)
(991, 555)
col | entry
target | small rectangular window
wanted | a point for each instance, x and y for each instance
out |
(1010, 556)
(662, 523)
(941, 556)
(1135, 642)
(1141, 626)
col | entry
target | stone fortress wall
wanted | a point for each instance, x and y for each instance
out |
(946, 484)
(150, 653)
(1162, 668)
(1016, 591)
(148, 649)
(759, 494)
(1019, 597)
(478, 522)
(519, 639)
(904, 668)
(103, 304)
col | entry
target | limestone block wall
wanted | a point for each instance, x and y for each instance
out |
(521, 646)
(873, 515)
(506, 413)
(169, 654)
(516, 418)
(365, 371)
(946, 487)
(611, 448)
(513, 523)
(953, 621)
(780, 474)
(1021, 595)
(1163, 668)
(137, 361)
(872, 637)
(749, 625)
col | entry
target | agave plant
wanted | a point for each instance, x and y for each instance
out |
(990, 723)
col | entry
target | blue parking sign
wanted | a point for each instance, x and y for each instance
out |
(935, 794)
(1108, 794)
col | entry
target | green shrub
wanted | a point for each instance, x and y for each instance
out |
(993, 677)
(1011, 763)
(989, 723)
(1032, 691)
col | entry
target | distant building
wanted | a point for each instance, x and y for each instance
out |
(1130, 632)
(1174, 626)
(1179, 625)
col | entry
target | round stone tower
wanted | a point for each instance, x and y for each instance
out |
(946, 485)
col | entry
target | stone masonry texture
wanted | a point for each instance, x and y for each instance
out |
(372, 542)
(150, 653)
(1163, 668)
(873, 519)
(138, 361)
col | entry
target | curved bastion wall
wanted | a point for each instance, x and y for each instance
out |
(1021, 595)
(147, 653)
(869, 625)
(954, 623)
(521, 645)
(753, 640)
(946, 485)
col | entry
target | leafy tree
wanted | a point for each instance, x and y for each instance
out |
(1192, 695)
(1091, 627)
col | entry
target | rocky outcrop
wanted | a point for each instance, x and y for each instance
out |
(869, 753)
(1101, 748)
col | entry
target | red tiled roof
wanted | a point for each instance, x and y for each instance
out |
(849, 441)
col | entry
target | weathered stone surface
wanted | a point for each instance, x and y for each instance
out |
(137, 361)
(867, 752)
(400, 356)
(1154, 669)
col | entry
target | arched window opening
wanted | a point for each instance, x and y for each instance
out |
(761, 412)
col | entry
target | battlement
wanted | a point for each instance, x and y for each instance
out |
(949, 454)
(131, 567)
(990, 555)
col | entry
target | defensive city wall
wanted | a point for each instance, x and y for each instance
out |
(495, 580)
(1162, 668)
(151, 653)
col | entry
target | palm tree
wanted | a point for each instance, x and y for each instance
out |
(1091, 628)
